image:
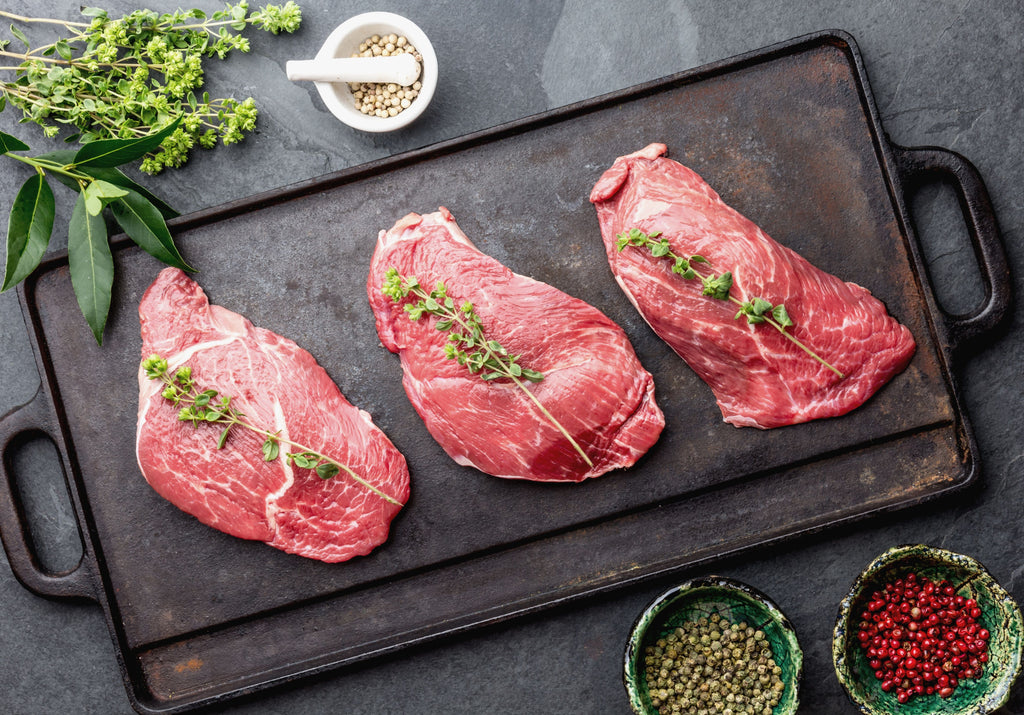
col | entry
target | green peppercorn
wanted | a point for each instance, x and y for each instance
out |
(711, 665)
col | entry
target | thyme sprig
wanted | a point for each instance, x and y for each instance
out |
(200, 405)
(718, 286)
(467, 343)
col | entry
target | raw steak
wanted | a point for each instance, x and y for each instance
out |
(758, 377)
(593, 385)
(278, 386)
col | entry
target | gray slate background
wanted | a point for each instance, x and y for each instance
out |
(943, 73)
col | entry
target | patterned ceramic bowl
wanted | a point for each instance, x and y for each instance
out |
(999, 615)
(731, 600)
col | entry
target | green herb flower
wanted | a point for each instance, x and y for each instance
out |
(122, 78)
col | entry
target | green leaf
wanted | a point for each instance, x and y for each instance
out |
(118, 178)
(781, 316)
(491, 375)
(92, 266)
(475, 362)
(204, 397)
(222, 440)
(94, 12)
(106, 190)
(63, 49)
(497, 348)
(761, 306)
(327, 470)
(304, 460)
(62, 157)
(16, 31)
(93, 204)
(532, 375)
(718, 287)
(271, 450)
(9, 144)
(28, 229)
(142, 221)
(99, 193)
(115, 152)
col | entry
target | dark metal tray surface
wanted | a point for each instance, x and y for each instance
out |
(789, 135)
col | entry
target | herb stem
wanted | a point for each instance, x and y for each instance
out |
(183, 391)
(781, 328)
(117, 64)
(41, 20)
(41, 164)
(491, 360)
(551, 418)
(302, 448)
(26, 57)
(756, 310)
(456, 316)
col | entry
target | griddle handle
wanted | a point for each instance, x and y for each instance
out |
(32, 420)
(920, 165)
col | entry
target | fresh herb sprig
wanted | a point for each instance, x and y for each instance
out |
(756, 310)
(121, 78)
(467, 343)
(200, 405)
(92, 172)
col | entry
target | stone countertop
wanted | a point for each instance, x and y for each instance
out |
(945, 74)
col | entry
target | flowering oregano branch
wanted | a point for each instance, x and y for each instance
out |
(467, 343)
(200, 405)
(121, 78)
(756, 310)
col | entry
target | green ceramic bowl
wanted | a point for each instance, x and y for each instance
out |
(733, 601)
(1000, 615)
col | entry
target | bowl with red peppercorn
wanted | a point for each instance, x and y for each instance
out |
(925, 630)
(712, 644)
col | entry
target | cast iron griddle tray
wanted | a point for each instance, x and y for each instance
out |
(788, 135)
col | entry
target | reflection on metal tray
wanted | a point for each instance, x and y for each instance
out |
(788, 135)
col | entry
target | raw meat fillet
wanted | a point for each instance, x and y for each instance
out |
(758, 377)
(593, 385)
(277, 386)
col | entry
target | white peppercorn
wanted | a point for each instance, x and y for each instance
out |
(385, 99)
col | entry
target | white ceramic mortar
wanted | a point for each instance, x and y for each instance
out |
(344, 41)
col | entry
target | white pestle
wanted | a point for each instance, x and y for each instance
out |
(400, 69)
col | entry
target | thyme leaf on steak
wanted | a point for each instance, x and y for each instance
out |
(207, 406)
(466, 343)
(756, 310)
